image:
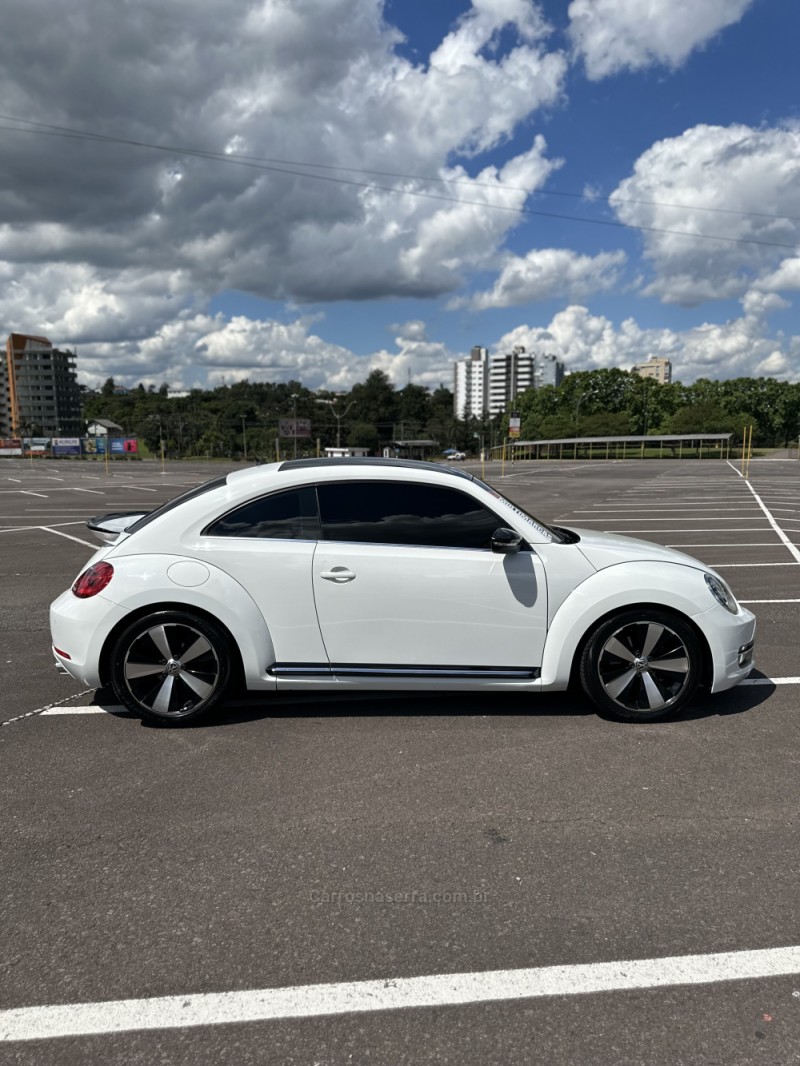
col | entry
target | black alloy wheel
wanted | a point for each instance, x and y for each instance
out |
(171, 667)
(642, 665)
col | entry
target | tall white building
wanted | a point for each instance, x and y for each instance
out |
(471, 384)
(485, 386)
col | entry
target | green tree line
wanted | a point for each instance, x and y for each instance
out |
(616, 402)
(239, 419)
(243, 419)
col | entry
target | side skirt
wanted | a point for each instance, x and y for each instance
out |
(377, 670)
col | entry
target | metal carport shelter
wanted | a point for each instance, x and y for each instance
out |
(621, 447)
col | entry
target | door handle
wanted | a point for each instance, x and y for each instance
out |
(339, 574)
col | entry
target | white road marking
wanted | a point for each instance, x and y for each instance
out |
(727, 566)
(58, 533)
(771, 681)
(357, 997)
(97, 708)
(791, 548)
(663, 518)
(97, 492)
(769, 601)
(21, 529)
(645, 510)
(730, 544)
(652, 532)
(17, 479)
(28, 492)
(47, 706)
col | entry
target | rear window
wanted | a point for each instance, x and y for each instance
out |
(198, 490)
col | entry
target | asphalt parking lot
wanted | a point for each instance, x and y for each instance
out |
(577, 891)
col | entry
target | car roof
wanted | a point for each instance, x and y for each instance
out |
(333, 469)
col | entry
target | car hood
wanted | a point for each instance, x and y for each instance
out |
(608, 549)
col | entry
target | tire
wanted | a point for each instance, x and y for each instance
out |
(642, 665)
(171, 667)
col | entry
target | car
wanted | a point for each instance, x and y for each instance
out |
(457, 457)
(389, 575)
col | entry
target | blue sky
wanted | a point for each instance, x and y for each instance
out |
(162, 266)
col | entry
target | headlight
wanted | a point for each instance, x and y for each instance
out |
(721, 593)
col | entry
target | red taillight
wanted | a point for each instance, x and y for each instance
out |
(93, 580)
(63, 654)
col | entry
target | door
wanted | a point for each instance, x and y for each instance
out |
(404, 578)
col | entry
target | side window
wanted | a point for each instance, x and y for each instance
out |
(380, 512)
(284, 516)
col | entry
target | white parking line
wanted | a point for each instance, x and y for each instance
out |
(791, 548)
(730, 544)
(771, 680)
(367, 997)
(21, 529)
(728, 566)
(646, 510)
(97, 492)
(58, 533)
(95, 708)
(663, 518)
(28, 492)
(713, 529)
(769, 601)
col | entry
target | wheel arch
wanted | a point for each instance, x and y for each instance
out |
(668, 587)
(707, 668)
(238, 672)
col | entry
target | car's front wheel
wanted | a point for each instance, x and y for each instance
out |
(642, 665)
(171, 667)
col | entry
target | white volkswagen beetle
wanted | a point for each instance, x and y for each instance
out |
(387, 574)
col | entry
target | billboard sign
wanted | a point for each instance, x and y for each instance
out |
(37, 445)
(294, 427)
(514, 426)
(66, 446)
(11, 446)
(130, 446)
(117, 445)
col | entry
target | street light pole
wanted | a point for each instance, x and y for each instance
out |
(294, 417)
(339, 417)
(244, 438)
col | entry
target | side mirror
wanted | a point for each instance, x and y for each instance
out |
(506, 541)
(107, 527)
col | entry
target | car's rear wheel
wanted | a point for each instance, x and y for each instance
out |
(642, 665)
(171, 667)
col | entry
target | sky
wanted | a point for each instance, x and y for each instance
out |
(200, 192)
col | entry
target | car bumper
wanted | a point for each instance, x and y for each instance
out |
(78, 629)
(731, 638)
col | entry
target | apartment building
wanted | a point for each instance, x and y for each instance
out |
(39, 393)
(659, 369)
(486, 387)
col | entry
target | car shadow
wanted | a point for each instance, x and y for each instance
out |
(370, 704)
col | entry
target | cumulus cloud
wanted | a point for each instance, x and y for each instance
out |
(198, 350)
(614, 35)
(737, 348)
(545, 273)
(735, 182)
(260, 81)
